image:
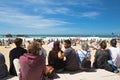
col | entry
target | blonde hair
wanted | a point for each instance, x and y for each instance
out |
(33, 48)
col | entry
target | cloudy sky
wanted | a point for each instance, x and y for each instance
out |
(59, 16)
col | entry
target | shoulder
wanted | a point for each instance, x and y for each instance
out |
(51, 53)
(98, 51)
(23, 57)
(67, 50)
(79, 51)
(1, 54)
(22, 49)
(42, 49)
(14, 49)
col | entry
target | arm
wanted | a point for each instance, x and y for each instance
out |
(61, 55)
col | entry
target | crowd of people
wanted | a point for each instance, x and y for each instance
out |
(32, 61)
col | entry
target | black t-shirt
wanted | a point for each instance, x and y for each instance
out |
(15, 53)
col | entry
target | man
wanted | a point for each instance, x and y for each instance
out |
(72, 62)
(16, 53)
(115, 52)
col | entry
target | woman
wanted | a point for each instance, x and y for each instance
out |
(32, 65)
(55, 58)
(103, 57)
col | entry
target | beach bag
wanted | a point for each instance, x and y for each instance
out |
(86, 63)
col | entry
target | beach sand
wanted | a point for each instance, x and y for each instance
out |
(5, 51)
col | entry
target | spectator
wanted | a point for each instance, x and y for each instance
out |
(32, 65)
(115, 52)
(3, 67)
(72, 62)
(54, 59)
(16, 53)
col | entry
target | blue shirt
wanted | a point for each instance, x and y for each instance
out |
(82, 53)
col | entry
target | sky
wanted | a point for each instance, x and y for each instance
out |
(59, 16)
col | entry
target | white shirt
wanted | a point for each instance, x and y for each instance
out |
(115, 54)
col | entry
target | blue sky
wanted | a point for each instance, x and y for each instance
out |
(59, 16)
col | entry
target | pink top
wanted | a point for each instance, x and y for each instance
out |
(32, 67)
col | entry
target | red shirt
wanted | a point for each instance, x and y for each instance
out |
(32, 67)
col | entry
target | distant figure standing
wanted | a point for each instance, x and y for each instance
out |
(72, 62)
(16, 53)
(54, 60)
(3, 67)
(115, 52)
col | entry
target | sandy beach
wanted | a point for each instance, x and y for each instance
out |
(5, 51)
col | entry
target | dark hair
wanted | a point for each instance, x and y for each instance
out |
(39, 40)
(56, 47)
(103, 44)
(67, 41)
(18, 42)
(113, 42)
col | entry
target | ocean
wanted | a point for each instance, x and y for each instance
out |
(58, 36)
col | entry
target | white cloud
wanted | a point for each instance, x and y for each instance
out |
(90, 14)
(63, 6)
(61, 10)
(53, 6)
(13, 17)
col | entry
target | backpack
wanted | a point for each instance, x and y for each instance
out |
(86, 63)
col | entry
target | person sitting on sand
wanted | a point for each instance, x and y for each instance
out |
(32, 65)
(54, 58)
(16, 53)
(84, 56)
(3, 67)
(103, 59)
(72, 62)
(115, 52)
(42, 51)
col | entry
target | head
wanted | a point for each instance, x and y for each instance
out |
(113, 42)
(85, 46)
(40, 42)
(67, 43)
(18, 42)
(33, 48)
(56, 46)
(103, 44)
